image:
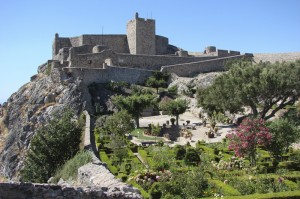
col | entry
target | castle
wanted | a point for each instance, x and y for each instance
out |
(132, 57)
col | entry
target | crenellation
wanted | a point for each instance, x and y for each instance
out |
(233, 53)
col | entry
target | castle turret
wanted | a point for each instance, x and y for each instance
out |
(141, 36)
(55, 47)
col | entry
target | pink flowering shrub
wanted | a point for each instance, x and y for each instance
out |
(247, 136)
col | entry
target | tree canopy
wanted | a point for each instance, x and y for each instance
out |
(175, 107)
(134, 104)
(265, 88)
(51, 147)
(119, 123)
(284, 134)
(157, 80)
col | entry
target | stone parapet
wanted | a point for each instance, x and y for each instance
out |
(18, 190)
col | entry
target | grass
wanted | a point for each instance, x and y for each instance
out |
(69, 170)
(139, 133)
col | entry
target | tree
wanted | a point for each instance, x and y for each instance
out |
(284, 134)
(119, 147)
(51, 147)
(119, 123)
(157, 80)
(134, 104)
(265, 88)
(175, 107)
(245, 139)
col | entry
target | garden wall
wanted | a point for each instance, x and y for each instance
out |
(48, 191)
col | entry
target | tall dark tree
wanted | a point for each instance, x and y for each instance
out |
(265, 88)
(52, 145)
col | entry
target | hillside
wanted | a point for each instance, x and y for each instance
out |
(27, 109)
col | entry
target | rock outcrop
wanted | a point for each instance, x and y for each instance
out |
(27, 109)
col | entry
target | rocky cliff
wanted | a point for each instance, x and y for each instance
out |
(27, 109)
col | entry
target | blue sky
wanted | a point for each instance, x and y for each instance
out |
(27, 28)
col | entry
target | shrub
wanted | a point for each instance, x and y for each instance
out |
(70, 168)
(155, 192)
(179, 151)
(143, 192)
(191, 156)
(292, 185)
(52, 146)
(123, 177)
(173, 90)
(246, 138)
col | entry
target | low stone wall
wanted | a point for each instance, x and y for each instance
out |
(273, 57)
(87, 131)
(50, 191)
(194, 68)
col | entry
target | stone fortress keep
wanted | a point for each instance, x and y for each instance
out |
(131, 57)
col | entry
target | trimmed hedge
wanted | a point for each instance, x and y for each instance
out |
(279, 195)
(226, 189)
(105, 158)
(144, 193)
(146, 158)
(292, 185)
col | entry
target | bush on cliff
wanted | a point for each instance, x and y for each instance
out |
(69, 170)
(51, 147)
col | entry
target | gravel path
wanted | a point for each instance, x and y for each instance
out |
(198, 133)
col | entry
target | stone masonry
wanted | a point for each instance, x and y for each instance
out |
(132, 57)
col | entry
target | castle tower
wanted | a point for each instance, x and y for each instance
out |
(141, 36)
(55, 47)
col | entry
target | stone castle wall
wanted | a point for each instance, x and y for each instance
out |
(273, 57)
(145, 29)
(148, 62)
(194, 68)
(117, 74)
(141, 36)
(117, 43)
(154, 62)
(161, 45)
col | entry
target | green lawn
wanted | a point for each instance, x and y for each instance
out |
(139, 133)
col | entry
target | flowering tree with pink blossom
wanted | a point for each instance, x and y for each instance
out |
(247, 136)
